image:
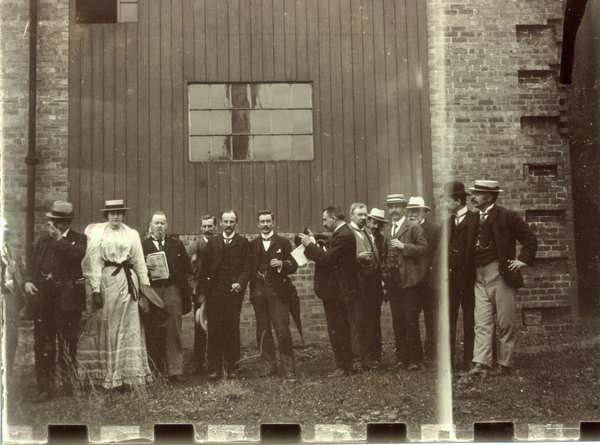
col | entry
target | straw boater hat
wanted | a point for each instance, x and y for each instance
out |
(377, 215)
(61, 210)
(455, 189)
(417, 202)
(485, 185)
(114, 205)
(395, 198)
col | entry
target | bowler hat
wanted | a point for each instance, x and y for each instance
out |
(114, 205)
(396, 198)
(61, 210)
(417, 202)
(377, 215)
(486, 185)
(455, 188)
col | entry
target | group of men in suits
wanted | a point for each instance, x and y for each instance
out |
(226, 264)
(360, 264)
(364, 263)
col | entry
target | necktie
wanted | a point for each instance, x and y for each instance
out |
(483, 216)
(371, 241)
(161, 244)
(395, 230)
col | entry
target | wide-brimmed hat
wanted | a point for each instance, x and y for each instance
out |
(377, 215)
(486, 185)
(61, 210)
(114, 205)
(455, 188)
(396, 198)
(416, 202)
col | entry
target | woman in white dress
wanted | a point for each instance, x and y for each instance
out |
(112, 347)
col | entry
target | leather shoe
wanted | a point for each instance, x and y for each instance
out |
(290, 376)
(478, 370)
(338, 372)
(232, 374)
(413, 367)
(176, 379)
(44, 396)
(501, 370)
(214, 376)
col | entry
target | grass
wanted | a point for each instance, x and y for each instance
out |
(560, 385)
(548, 388)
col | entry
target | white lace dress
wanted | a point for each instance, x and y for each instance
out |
(112, 347)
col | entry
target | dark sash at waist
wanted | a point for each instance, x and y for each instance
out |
(127, 268)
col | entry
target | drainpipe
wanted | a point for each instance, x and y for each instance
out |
(31, 159)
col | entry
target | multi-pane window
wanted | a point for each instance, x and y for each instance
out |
(106, 11)
(250, 122)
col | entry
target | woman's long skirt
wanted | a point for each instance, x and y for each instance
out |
(112, 346)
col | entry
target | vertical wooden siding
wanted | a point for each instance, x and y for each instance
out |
(367, 60)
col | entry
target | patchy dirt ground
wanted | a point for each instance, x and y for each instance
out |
(551, 387)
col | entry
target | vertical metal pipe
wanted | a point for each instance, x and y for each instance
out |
(31, 159)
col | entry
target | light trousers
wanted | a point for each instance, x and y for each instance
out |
(494, 311)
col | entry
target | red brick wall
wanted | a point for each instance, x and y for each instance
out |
(498, 112)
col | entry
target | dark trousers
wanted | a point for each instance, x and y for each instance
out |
(272, 311)
(404, 303)
(55, 335)
(199, 344)
(223, 313)
(465, 299)
(428, 305)
(338, 328)
(369, 315)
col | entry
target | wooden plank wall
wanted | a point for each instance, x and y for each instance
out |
(366, 59)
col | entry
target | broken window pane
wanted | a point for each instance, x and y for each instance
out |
(239, 95)
(250, 122)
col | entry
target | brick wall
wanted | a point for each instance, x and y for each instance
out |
(52, 107)
(498, 112)
(14, 69)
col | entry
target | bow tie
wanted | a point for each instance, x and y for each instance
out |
(266, 239)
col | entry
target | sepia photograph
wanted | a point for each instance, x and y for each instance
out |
(346, 215)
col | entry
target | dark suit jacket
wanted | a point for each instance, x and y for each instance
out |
(432, 235)
(407, 267)
(340, 260)
(197, 265)
(508, 228)
(69, 253)
(280, 249)
(213, 255)
(464, 275)
(180, 269)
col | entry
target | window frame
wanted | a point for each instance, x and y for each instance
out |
(188, 110)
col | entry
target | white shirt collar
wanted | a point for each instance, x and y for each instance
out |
(66, 232)
(399, 222)
(486, 211)
(461, 212)
(228, 237)
(268, 235)
(339, 227)
(355, 226)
